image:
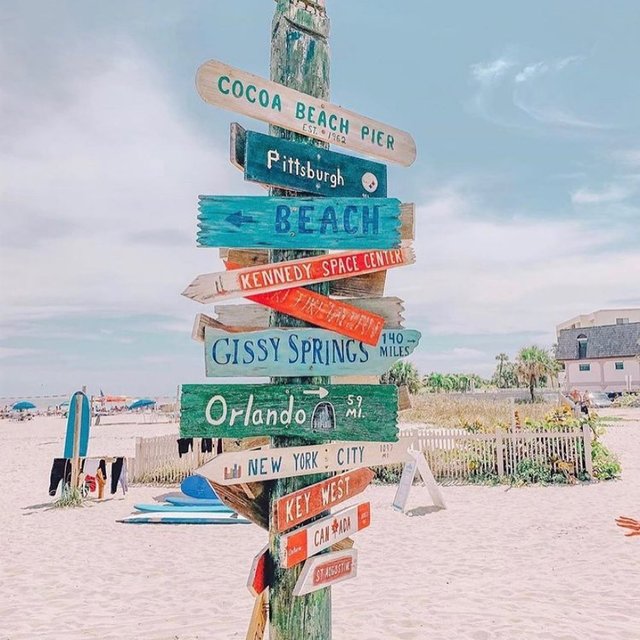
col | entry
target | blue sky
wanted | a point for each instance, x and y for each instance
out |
(527, 123)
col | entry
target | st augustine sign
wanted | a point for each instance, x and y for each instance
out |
(302, 352)
(268, 464)
(306, 168)
(338, 412)
(224, 86)
(266, 278)
(326, 570)
(302, 223)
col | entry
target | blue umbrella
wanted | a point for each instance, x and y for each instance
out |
(144, 402)
(23, 405)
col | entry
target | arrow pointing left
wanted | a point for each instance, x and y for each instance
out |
(237, 218)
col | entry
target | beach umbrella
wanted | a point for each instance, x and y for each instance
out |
(23, 405)
(143, 402)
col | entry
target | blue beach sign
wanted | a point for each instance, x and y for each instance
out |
(302, 352)
(303, 223)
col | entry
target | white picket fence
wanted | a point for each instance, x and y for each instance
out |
(157, 461)
(456, 455)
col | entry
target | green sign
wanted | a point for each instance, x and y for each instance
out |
(332, 412)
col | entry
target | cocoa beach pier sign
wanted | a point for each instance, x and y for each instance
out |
(224, 86)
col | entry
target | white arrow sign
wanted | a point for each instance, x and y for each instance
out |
(326, 570)
(268, 464)
(321, 392)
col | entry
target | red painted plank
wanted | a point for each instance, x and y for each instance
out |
(303, 504)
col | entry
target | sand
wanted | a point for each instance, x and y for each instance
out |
(512, 564)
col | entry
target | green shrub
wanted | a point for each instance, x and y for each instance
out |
(606, 465)
(69, 497)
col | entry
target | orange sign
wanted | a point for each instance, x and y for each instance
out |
(265, 278)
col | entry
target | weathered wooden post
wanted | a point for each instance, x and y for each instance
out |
(299, 59)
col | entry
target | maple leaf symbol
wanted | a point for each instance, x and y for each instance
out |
(334, 527)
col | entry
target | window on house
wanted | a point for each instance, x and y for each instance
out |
(619, 366)
(585, 367)
(622, 320)
(582, 346)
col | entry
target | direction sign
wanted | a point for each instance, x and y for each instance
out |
(302, 352)
(302, 223)
(326, 570)
(306, 168)
(310, 501)
(369, 284)
(259, 617)
(257, 581)
(306, 541)
(269, 464)
(223, 86)
(256, 316)
(236, 283)
(340, 412)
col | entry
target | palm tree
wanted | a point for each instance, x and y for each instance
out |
(532, 364)
(403, 374)
(502, 359)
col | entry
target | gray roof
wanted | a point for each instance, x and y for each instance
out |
(610, 341)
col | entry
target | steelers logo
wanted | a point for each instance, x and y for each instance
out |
(369, 182)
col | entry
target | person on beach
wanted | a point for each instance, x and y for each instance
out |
(629, 523)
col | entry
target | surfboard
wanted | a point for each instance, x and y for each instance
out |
(186, 501)
(179, 517)
(172, 508)
(197, 487)
(85, 419)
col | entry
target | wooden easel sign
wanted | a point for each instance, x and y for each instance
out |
(418, 465)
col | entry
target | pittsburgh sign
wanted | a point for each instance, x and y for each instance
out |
(303, 223)
(306, 168)
(302, 352)
(233, 89)
(239, 467)
(212, 287)
(340, 412)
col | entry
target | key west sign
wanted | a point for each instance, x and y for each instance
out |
(302, 352)
(303, 223)
(233, 89)
(336, 412)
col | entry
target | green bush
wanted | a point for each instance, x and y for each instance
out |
(606, 465)
(533, 471)
(69, 498)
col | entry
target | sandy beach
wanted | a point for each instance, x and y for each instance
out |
(499, 563)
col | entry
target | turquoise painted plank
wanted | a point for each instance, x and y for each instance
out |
(302, 352)
(299, 223)
(309, 169)
(331, 412)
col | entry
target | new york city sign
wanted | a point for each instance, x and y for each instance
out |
(303, 223)
(302, 352)
(223, 86)
(334, 412)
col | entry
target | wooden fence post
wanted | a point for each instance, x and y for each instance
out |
(299, 59)
(500, 451)
(586, 438)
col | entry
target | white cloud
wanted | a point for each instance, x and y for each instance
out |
(611, 193)
(492, 71)
(87, 176)
(480, 274)
(11, 352)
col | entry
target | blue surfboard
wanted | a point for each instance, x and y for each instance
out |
(177, 517)
(197, 487)
(186, 501)
(159, 508)
(85, 420)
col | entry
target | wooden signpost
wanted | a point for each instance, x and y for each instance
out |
(303, 223)
(301, 505)
(270, 463)
(259, 617)
(236, 283)
(304, 168)
(223, 86)
(326, 570)
(307, 541)
(302, 352)
(342, 412)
